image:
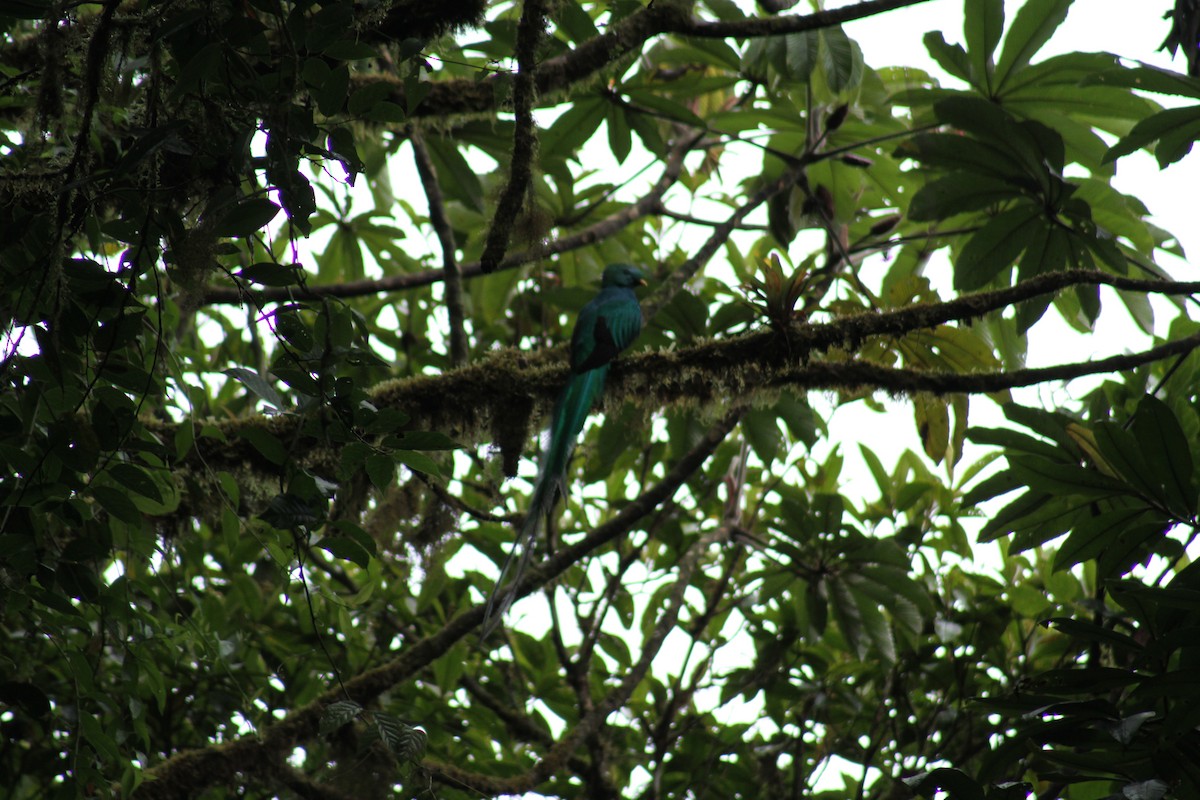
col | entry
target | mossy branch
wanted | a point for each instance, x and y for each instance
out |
(708, 373)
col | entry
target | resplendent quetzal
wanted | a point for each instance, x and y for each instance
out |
(607, 325)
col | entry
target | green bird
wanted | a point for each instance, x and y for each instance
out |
(607, 325)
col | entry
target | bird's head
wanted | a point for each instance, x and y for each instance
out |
(625, 276)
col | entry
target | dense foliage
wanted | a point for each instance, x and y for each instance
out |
(265, 398)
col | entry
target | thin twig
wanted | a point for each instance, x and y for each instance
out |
(745, 226)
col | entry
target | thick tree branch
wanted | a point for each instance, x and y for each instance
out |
(556, 74)
(451, 272)
(520, 169)
(713, 372)
(466, 96)
(854, 375)
(791, 23)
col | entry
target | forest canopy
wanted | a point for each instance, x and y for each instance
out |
(287, 294)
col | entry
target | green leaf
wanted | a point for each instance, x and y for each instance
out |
(345, 50)
(992, 486)
(959, 193)
(206, 64)
(331, 94)
(337, 714)
(995, 247)
(351, 530)
(268, 273)
(763, 434)
(1063, 478)
(647, 127)
(620, 139)
(801, 52)
(366, 97)
(1091, 632)
(950, 57)
(1146, 78)
(457, 178)
(841, 60)
(101, 742)
(185, 437)
(137, 479)
(817, 607)
(381, 470)
(1035, 23)
(1047, 252)
(1124, 454)
(1095, 535)
(829, 509)
(954, 152)
(266, 443)
(933, 425)
(1175, 130)
(956, 784)
(289, 325)
(653, 100)
(847, 614)
(875, 624)
(1169, 456)
(246, 217)
(326, 26)
(1029, 144)
(117, 503)
(418, 462)
(289, 511)
(1002, 522)
(422, 440)
(573, 128)
(387, 420)
(345, 548)
(983, 24)
(574, 21)
(300, 380)
(256, 384)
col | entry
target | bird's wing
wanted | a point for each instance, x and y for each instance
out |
(605, 327)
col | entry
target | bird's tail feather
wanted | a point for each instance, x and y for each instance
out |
(570, 414)
(502, 596)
